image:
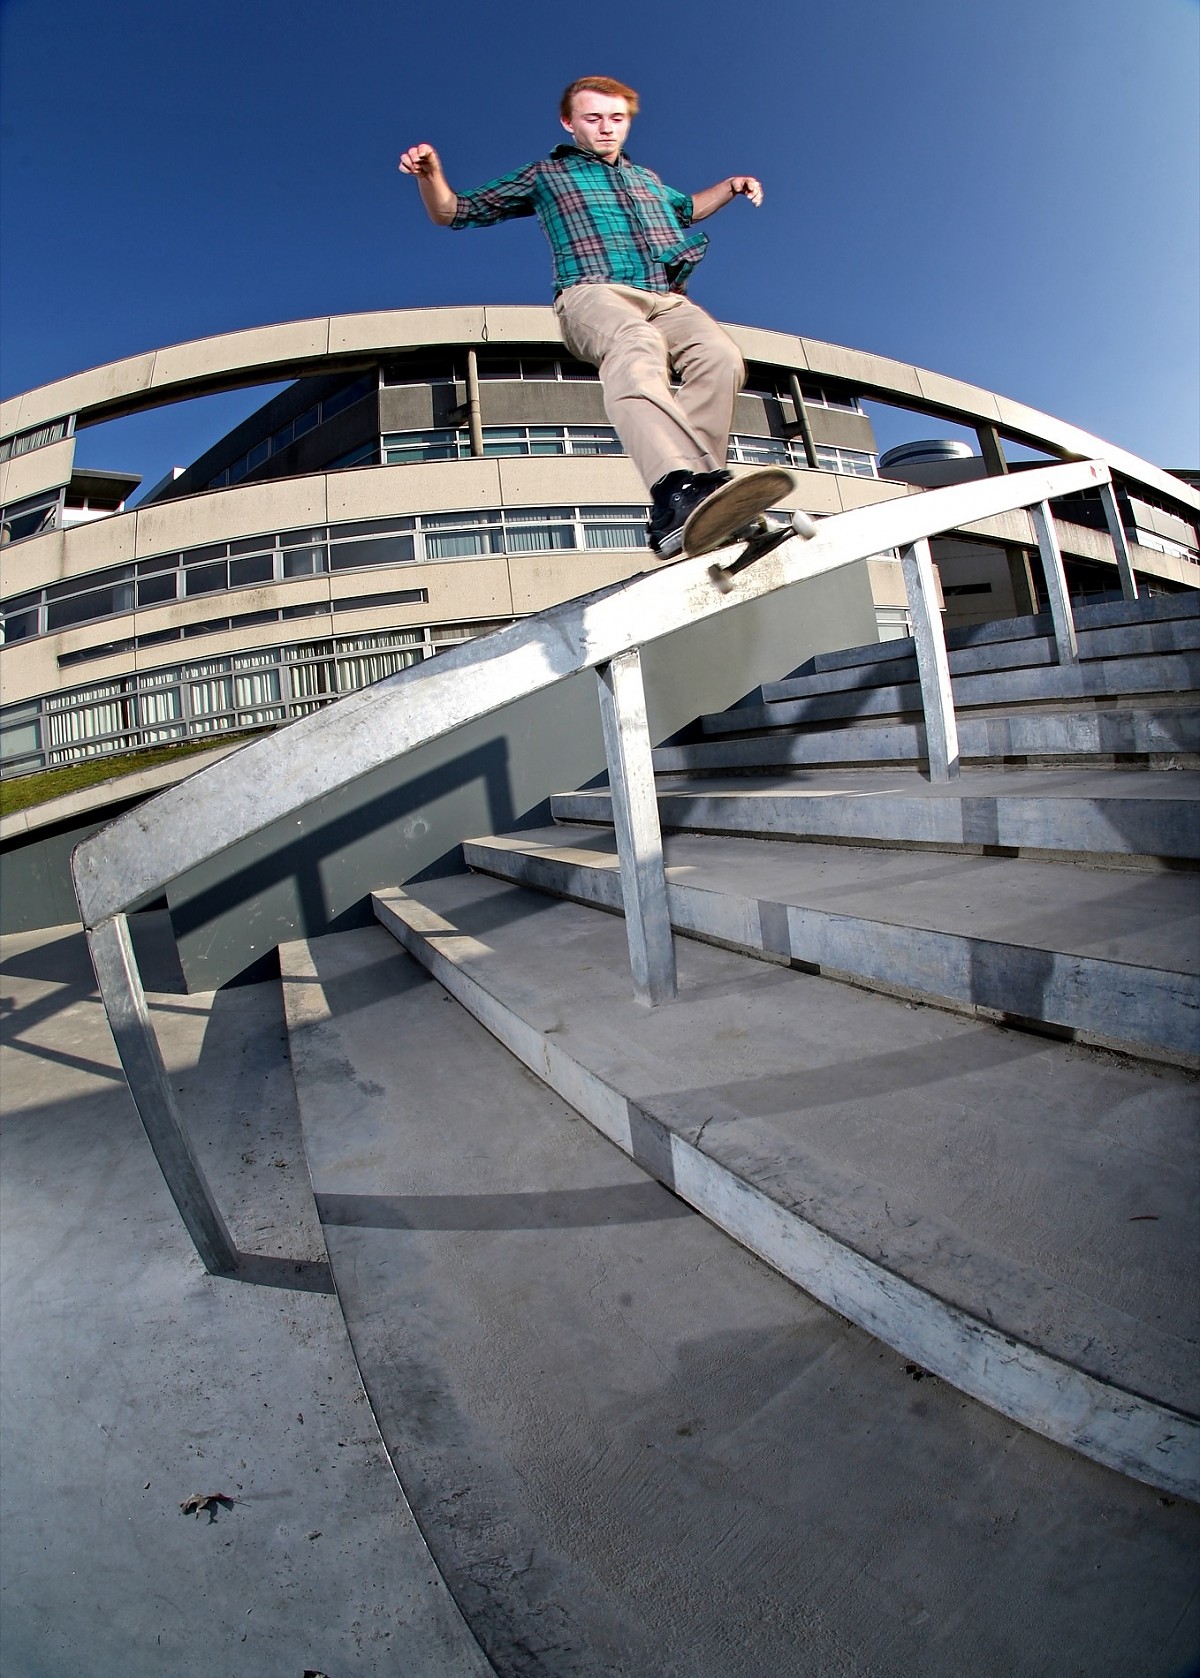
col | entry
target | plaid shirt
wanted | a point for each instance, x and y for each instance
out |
(607, 223)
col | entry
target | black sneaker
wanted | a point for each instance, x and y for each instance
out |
(674, 499)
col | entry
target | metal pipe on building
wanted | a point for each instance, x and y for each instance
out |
(474, 420)
(805, 424)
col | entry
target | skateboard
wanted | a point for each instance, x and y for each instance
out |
(736, 513)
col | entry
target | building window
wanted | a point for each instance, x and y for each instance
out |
(359, 545)
(21, 519)
(761, 451)
(856, 462)
(318, 414)
(233, 693)
(402, 448)
(534, 366)
(26, 441)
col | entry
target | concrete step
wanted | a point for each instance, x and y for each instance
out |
(633, 1447)
(1129, 641)
(1112, 957)
(1095, 680)
(1162, 608)
(1114, 817)
(1167, 738)
(1015, 1216)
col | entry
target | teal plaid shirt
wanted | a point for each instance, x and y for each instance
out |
(607, 223)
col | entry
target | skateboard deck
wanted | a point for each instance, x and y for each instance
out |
(734, 513)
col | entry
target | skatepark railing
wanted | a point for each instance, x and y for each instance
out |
(140, 853)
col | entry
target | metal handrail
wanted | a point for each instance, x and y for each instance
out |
(148, 847)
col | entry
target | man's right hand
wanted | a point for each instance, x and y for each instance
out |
(437, 195)
(420, 160)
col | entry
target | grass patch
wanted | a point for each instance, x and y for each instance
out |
(26, 791)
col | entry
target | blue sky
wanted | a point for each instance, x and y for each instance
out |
(1006, 193)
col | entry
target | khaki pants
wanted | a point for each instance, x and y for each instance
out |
(636, 338)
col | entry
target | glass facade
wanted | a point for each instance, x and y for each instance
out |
(216, 696)
(403, 448)
(225, 567)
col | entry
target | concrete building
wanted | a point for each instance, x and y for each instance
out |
(294, 561)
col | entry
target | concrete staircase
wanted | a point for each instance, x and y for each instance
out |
(933, 1059)
(1052, 885)
(1014, 1209)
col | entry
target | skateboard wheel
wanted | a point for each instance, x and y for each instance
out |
(803, 525)
(721, 577)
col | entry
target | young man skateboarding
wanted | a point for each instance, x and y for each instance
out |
(623, 246)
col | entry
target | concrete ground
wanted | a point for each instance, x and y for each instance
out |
(132, 1381)
(637, 1450)
(928, 1538)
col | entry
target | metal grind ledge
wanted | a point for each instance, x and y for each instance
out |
(1150, 814)
(1016, 1217)
(1114, 955)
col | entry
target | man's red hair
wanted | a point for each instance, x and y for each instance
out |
(597, 84)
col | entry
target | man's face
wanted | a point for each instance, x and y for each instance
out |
(599, 123)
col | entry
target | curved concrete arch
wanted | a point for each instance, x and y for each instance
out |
(294, 349)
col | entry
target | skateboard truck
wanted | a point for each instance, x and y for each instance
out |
(736, 513)
(760, 540)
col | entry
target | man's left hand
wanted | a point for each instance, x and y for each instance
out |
(747, 187)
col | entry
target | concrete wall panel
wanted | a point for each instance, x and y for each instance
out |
(1154, 564)
(1166, 524)
(977, 565)
(538, 581)
(886, 580)
(40, 469)
(36, 672)
(94, 388)
(32, 563)
(817, 493)
(758, 344)
(256, 509)
(961, 398)
(465, 589)
(374, 492)
(10, 414)
(559, 482)
(95, 546)
(844, 431)
(863, 492)
(290, 341)
(386, 329)
(835, 361)
(527, 402)
(1006, 527)
(522, 324)
(406, 408)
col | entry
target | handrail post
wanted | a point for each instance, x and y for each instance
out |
(133, 1033)
(639, 838)
(1056, 583)
(1116, 532)
(933, 664)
